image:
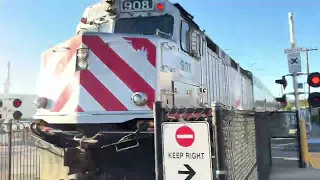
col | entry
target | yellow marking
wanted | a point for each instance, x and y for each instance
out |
(315, 160)
(292, 131)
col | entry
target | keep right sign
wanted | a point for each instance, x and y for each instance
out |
(187, 151)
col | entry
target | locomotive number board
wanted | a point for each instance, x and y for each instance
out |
(136, 5)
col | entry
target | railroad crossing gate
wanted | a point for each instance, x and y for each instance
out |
(187, 151)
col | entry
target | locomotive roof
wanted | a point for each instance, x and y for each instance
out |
(211, 44)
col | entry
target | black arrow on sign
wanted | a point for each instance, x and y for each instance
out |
(190, 172)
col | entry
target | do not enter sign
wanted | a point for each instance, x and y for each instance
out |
(185, 136)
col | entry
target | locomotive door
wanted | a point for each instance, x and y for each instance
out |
(205, 74)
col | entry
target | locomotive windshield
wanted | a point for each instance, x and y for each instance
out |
(162, 25)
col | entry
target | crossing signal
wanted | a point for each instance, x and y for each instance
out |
(314, 99)
(17, 103)
(17, 114)
(282, 81)
(314, 79)
(282, 100)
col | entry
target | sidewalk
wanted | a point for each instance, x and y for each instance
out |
(294, 174)
(315, 160)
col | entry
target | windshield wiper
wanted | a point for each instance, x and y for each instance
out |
(159, 33)
(136, 21)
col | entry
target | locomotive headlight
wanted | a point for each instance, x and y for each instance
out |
(140, 98)
(82, 58)
(83, 64)
(82, 54)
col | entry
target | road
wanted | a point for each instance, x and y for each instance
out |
(285, 161)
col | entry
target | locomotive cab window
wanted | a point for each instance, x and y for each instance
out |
(155, 25)
(184, 36)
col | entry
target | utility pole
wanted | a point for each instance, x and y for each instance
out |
(294, 75)
(7, 83)
(303, 147)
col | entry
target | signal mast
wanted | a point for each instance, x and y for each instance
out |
(7, 83)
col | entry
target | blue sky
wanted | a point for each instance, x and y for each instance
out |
(255, 32)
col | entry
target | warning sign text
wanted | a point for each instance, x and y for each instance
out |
(185, 155)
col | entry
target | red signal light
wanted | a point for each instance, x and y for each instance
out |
(159, 7)
(17, 103)
(316, 80)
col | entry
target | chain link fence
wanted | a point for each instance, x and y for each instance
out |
(236, 143)
(19, 159)
(233, 139)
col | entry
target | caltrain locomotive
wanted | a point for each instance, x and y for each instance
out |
(126, 55)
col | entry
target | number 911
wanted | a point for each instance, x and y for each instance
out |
(136, 5)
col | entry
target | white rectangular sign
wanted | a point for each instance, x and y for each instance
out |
(294, 62)
(293, 50)
(187, 151)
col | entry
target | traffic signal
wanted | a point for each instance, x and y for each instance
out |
(1, 103)
(314, 79)
(282, 100)
(16, 104)
(282, 81)
(314, 99)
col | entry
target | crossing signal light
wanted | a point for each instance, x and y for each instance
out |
(17, 103)
(282, 100)
(314, 79)
(282, 81)
(17, 114)
(314, 99)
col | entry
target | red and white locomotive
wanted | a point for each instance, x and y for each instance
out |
(128, 54)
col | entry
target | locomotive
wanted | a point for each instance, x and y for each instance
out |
(126, 55)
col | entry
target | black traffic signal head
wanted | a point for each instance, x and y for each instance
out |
(314, 99)
(282, 81)
(1, 103)
(282, 100)
(314, 79)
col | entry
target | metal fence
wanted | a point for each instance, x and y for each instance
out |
(19, 159)
(236, 143)
(233, 138)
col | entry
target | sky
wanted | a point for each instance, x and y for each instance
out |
(253, 32)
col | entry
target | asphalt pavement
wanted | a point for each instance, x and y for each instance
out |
(285, 160)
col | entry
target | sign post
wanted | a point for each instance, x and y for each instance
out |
(187, 151)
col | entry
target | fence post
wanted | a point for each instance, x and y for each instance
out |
(10, 148)
(221, 172)
(158, 119)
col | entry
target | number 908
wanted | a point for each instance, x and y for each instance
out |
(136, 5)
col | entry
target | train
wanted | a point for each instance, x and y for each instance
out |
(127, 54)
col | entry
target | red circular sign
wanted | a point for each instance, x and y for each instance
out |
(185, 136)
